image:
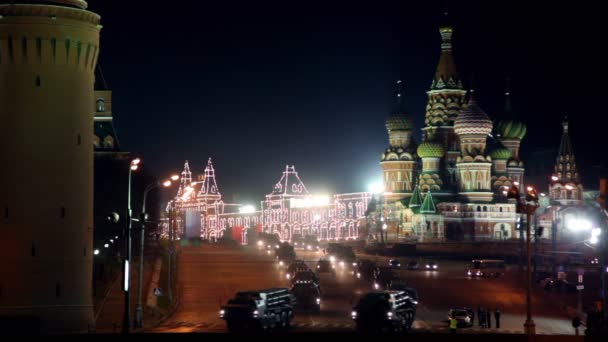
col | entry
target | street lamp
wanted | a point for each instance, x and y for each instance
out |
(527, 206)
(126, 324)
(139, 312)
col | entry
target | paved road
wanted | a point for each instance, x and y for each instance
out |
(210, 275)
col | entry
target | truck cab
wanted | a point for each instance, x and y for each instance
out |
(307, 296)
(263, 309)
(384, 311)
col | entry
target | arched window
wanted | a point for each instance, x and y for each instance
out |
(478, 208)
(108, 142)
(500, 209)
(101, 105)
(485, 208)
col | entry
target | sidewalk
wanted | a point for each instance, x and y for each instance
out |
(109, 317)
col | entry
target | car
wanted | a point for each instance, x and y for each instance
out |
(465, 317)
(295, 267)
(431, 266)
(413, 265)
(394, 263)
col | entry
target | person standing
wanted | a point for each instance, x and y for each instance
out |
(453, 324)
(489, 318)
(497, 317)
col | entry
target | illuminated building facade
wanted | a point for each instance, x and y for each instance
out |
(289, 209)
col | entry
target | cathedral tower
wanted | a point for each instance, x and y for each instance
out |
(446, 99)
(565, 187)
(48, 54)
(398, 161)
(474, 166)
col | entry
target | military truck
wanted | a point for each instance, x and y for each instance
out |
(307, 296)
(262, 309)
(384, 311)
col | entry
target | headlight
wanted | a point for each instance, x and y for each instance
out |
(255, 313)
(222, 313)
(288, 275)
(281, 263)
(295, 243)
(467, 319)
(276, 246)
(428, 266)
(376, 286)
(342, 263)
(478, 273)
(260, 243)
(318, 266)
(468, 272)
(434, 267)
(389, 315)
(353, 314)
(309, 247)
(354, 264)
(332, 258)
(358, 275)
(318, 300)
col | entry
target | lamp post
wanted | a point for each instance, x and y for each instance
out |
(528, 207)
(126, 322)
(139, 312)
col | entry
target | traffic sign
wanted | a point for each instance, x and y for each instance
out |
(580, 287)
(158, 292)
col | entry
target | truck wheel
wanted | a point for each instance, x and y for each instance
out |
(283, 320)
(288, 319)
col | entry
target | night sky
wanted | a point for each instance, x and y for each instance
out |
(257, 85)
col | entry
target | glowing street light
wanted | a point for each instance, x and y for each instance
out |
(167, 183)
(106, 245)
(96, 252)
(247, 209)
(384, 226)
(554, 178)
(376, 188)
(569, 187)
(174, 178)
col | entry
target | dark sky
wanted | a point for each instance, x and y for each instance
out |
(256, 85)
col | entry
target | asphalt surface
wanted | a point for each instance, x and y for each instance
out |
(212, 274)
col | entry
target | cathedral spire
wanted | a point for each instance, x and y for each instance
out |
(446, 75)
(565, 165)
(508, 108)
(209, 189)
(185, 179)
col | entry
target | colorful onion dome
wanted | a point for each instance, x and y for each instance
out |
(472, 120)
(500, 153)
(398, 122)
(431, 149)
(511, 129)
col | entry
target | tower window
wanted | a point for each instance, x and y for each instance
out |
(10, 48)
(39, 49)
(24, 47)
(58, 290)
(101, 105)
(33, 250)
(54, 49)
(500, 209)
(62, 215)
(38, 81)
(485, 208)
(78, 140)
(478, 208)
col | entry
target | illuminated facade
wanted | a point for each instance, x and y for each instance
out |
(289, 209)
